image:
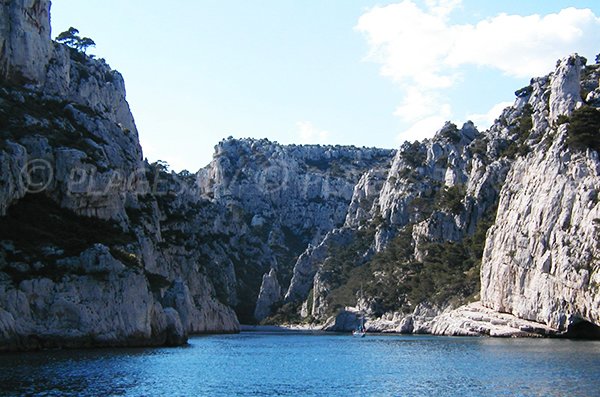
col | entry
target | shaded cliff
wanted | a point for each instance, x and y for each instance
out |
(85, 258)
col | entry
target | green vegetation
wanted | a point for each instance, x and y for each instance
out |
(451, 133)
(583, 131)
(450, 198)
(71, 38)
(395, 281)
(479, 146)
(413, 153)
(284, 313)
(519, 147)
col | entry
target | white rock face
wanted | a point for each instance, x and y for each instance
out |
(277, 200)
(25, 45)
(105, 304)
(203, 244)
(540, 258)
(308, 264)
(420, 321)
(475, 319)
(270, 292)
(68, 113)
(539, 262)
(565, 94)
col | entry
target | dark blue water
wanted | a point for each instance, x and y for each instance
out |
(262, 364)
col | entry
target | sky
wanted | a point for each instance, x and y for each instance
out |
(350, 72)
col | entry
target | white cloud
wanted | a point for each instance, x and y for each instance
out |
(409, 42)
(524, 46)
(442, 7)
(417, 104)
(310, 134)
(422, 51)
(485, 120)
(426, 126)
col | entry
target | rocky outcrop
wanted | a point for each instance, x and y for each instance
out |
(346, 320)
(278, 200)
(99, 248)
(308, 264)
(25, 45)
(87, 254)
(523, 178)
(420, 321)
(539, 262)
(270, 293)
(565, 87)
(475, 320)
(99, 302)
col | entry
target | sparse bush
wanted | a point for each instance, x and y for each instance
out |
(451, 198)
(583, 131)
(519, 146)
(413, 153)
(71, 38)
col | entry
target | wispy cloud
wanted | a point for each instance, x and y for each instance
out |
(308, 133)
(423, 52)
(485, 120)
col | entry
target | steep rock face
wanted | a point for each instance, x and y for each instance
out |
(540, 256)
(526, 179)
(87, 249)
(25, 45)
(99, 301)
(277, 200)
(303, 188)
(410, 193)
(418, 171)
(565, 87)
(270, 293)
(308, 264)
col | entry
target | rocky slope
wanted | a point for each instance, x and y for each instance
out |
(540, 261)
(85, 258)
(161, 254)
(276, 200)
(418, 229)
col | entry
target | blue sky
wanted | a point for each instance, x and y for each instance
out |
(354, 72)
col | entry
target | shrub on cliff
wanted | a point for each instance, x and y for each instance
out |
(583, 131)
(71, 38)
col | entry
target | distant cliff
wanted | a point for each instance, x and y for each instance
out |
(276, 201)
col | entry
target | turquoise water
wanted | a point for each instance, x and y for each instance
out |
(263, 364)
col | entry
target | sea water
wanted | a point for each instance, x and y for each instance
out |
(300, 364)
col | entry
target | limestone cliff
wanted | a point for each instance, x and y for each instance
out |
(100, 248)
(540, 261)
(85, 256)
(275, 201)
(530, 177)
